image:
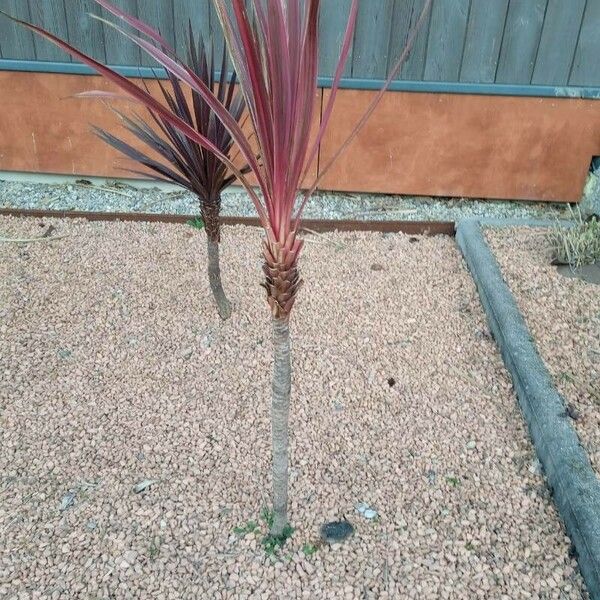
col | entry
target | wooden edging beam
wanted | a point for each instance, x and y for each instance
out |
(319, 225)
(569, 473)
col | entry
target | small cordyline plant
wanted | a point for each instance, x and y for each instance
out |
(184, 161)
(274, 50)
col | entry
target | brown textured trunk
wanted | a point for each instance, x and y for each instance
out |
(210, 215)
(282, 282)
(280, 408)
(214, 278)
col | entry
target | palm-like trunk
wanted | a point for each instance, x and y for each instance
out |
(214, 278)
(282, 282)
(210, 215)
(280, 408)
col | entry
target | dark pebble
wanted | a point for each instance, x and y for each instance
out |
(336, 532)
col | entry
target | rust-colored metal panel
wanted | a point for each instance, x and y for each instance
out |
(463, 145)
(44, 130)
(430, 144)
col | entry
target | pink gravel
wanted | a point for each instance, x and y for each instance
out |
(115, 368)
(563, 315)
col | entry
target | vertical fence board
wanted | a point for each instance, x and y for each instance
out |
(586, 66)
(15, 41)
(541, 42)
(371, 39)
(332, 25)
(215, 29)
(405, 17)
(159, 14)
(521, 39)
(482, 44)
(559, 41)
(196, 11)
(50, 16)
(120, 50)
(446, 39)
(85, 32)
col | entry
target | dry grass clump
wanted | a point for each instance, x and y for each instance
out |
(577, 245)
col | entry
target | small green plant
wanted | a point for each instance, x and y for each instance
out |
(309, 549)
(453, 481)
(577, 245)
(272, 543)
(154, 548)
(196, 223)
(249, 527)
(566, 377)
(267, 516)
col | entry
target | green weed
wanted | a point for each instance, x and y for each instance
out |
(309, 549)
(272, 543)
(196, 223)
(249, 527)
(154, 548)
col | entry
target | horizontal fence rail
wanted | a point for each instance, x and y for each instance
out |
(545, 44)
(432, 87)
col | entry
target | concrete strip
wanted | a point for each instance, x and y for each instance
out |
(494, 222)
(570, 476)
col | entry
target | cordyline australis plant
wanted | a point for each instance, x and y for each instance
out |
(274, 50)
(185, 161)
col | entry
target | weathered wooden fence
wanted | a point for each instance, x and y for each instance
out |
(524, 42)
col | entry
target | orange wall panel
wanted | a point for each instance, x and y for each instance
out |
(415, 143)
(44, 129)
(463, 145)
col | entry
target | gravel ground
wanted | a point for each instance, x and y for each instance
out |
(116, 370)
(563, 315)
(119, 197)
